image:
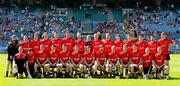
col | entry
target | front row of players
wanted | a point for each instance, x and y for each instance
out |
(89, 64)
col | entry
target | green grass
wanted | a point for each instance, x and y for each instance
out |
(174, 81)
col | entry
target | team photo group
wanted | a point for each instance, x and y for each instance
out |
(98, 58)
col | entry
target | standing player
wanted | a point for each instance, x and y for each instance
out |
(124, 61)
(118, 44)
(89, 59)
(96, 43)
(64, 62)
(147, 63)
(152, 45)
(68, 41)
(112, 63)
(141, 45)
(77, 60)
(88, 41)
(46, 42)
(35, 43)
(12, 51)
(160, 64)
(107, 43)
(130, 43)
(26, 45)
(79, 42)
(136, 62)
(56, 41)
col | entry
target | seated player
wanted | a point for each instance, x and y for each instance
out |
(77, 60)
(112, 63)
(147, 63)
(41, 62)
(124, 61)
(160, 64)
(100, 62)
(64, 62)
(136, 67)
(54, 56)
(89, 59)
(31, 58)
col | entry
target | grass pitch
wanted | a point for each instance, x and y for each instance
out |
(174, 81)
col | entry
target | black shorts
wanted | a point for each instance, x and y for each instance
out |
(147, 69)
(20, 65)
(168, 57)
(10, 58)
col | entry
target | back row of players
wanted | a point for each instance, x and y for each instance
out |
(60, 58)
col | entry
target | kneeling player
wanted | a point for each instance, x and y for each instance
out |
(77, 60)
(89, 59)
(100, 62)
(135, 63)
(147, 63)
(160, 64)
(41, 62)
(112, 63)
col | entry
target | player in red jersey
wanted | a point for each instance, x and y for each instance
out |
(130, 43)
(118, 44)
(31, 58)
(165, 44)
(152, 45)
(25, 44)
(141, 45)
(147, 63)
(64, 62)
(89, 59)
(100, 62)
(77, 61)
(107, 43)
(41, 61)
(96, 43)
(68, 41)
(136, 62)
(56, 41)
(46, 42)
(79, 42)
(35, 43)
(160, 64)
(124, 61)
(113, 63)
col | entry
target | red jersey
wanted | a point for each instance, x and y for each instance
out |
(88, 57)
(26, 46)
(165, 45)
(118, 46)
(107, 45)
(54, 56)
(129, 45)
(141, 47)
(81, 45)
(159, 59)
(153, 47)
(57, 43)
(135, 57)
(65, 56)
(20, 56)
(47, 45)
(124, 56)
(31, 59)
(96, 45)
(113, 57)
(42, 57)
(76, 57)
(101, 57)
(69, 42)
(35, 46)
(147, 60)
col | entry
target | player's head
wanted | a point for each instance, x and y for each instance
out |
(101, 48)
(134, 47)
(147, 50)
(96, 37)
(20, 49)
(117, 37)
(56, 35)
(113, 48)
(64, 47)
(159, 50)
(13, 38)
(25, 38)
(140, 38)
(41, 47)
(68, 34)
(76, 48)
(152, 38)
(88, 49)
(53, 47)
(36, 36)
(163, 35)
(129, 38)
(78, 35)
(45, 35)
(108, 36)
(88, 38)
(30, 51)
(124, 47)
